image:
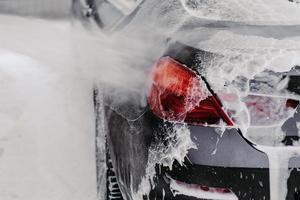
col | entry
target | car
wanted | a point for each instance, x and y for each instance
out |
(193, 139)
(109, 15)
(223, 166)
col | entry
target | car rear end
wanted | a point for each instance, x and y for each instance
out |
(230, 161)
(234, 131)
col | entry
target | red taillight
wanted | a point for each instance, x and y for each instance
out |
(268, 110)
(291, 103)
(178, 94)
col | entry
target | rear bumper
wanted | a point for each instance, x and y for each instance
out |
(228, 149)
(226, 161)
(245, 183)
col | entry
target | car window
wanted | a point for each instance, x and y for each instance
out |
(111, 14)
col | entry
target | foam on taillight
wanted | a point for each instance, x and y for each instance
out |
(178, 94)
(268, 110)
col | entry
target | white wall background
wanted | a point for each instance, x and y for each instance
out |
(43, 8)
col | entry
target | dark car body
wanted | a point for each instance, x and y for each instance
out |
(229, 161)
(222, 166)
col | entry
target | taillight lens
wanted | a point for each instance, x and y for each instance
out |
(267, 111)
(177, 93)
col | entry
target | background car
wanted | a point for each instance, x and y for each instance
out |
(108, 15)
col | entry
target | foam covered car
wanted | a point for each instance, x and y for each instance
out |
(237, 141)
(226, 164)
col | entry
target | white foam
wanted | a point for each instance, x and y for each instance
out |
(252, 12)
(178, 143)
